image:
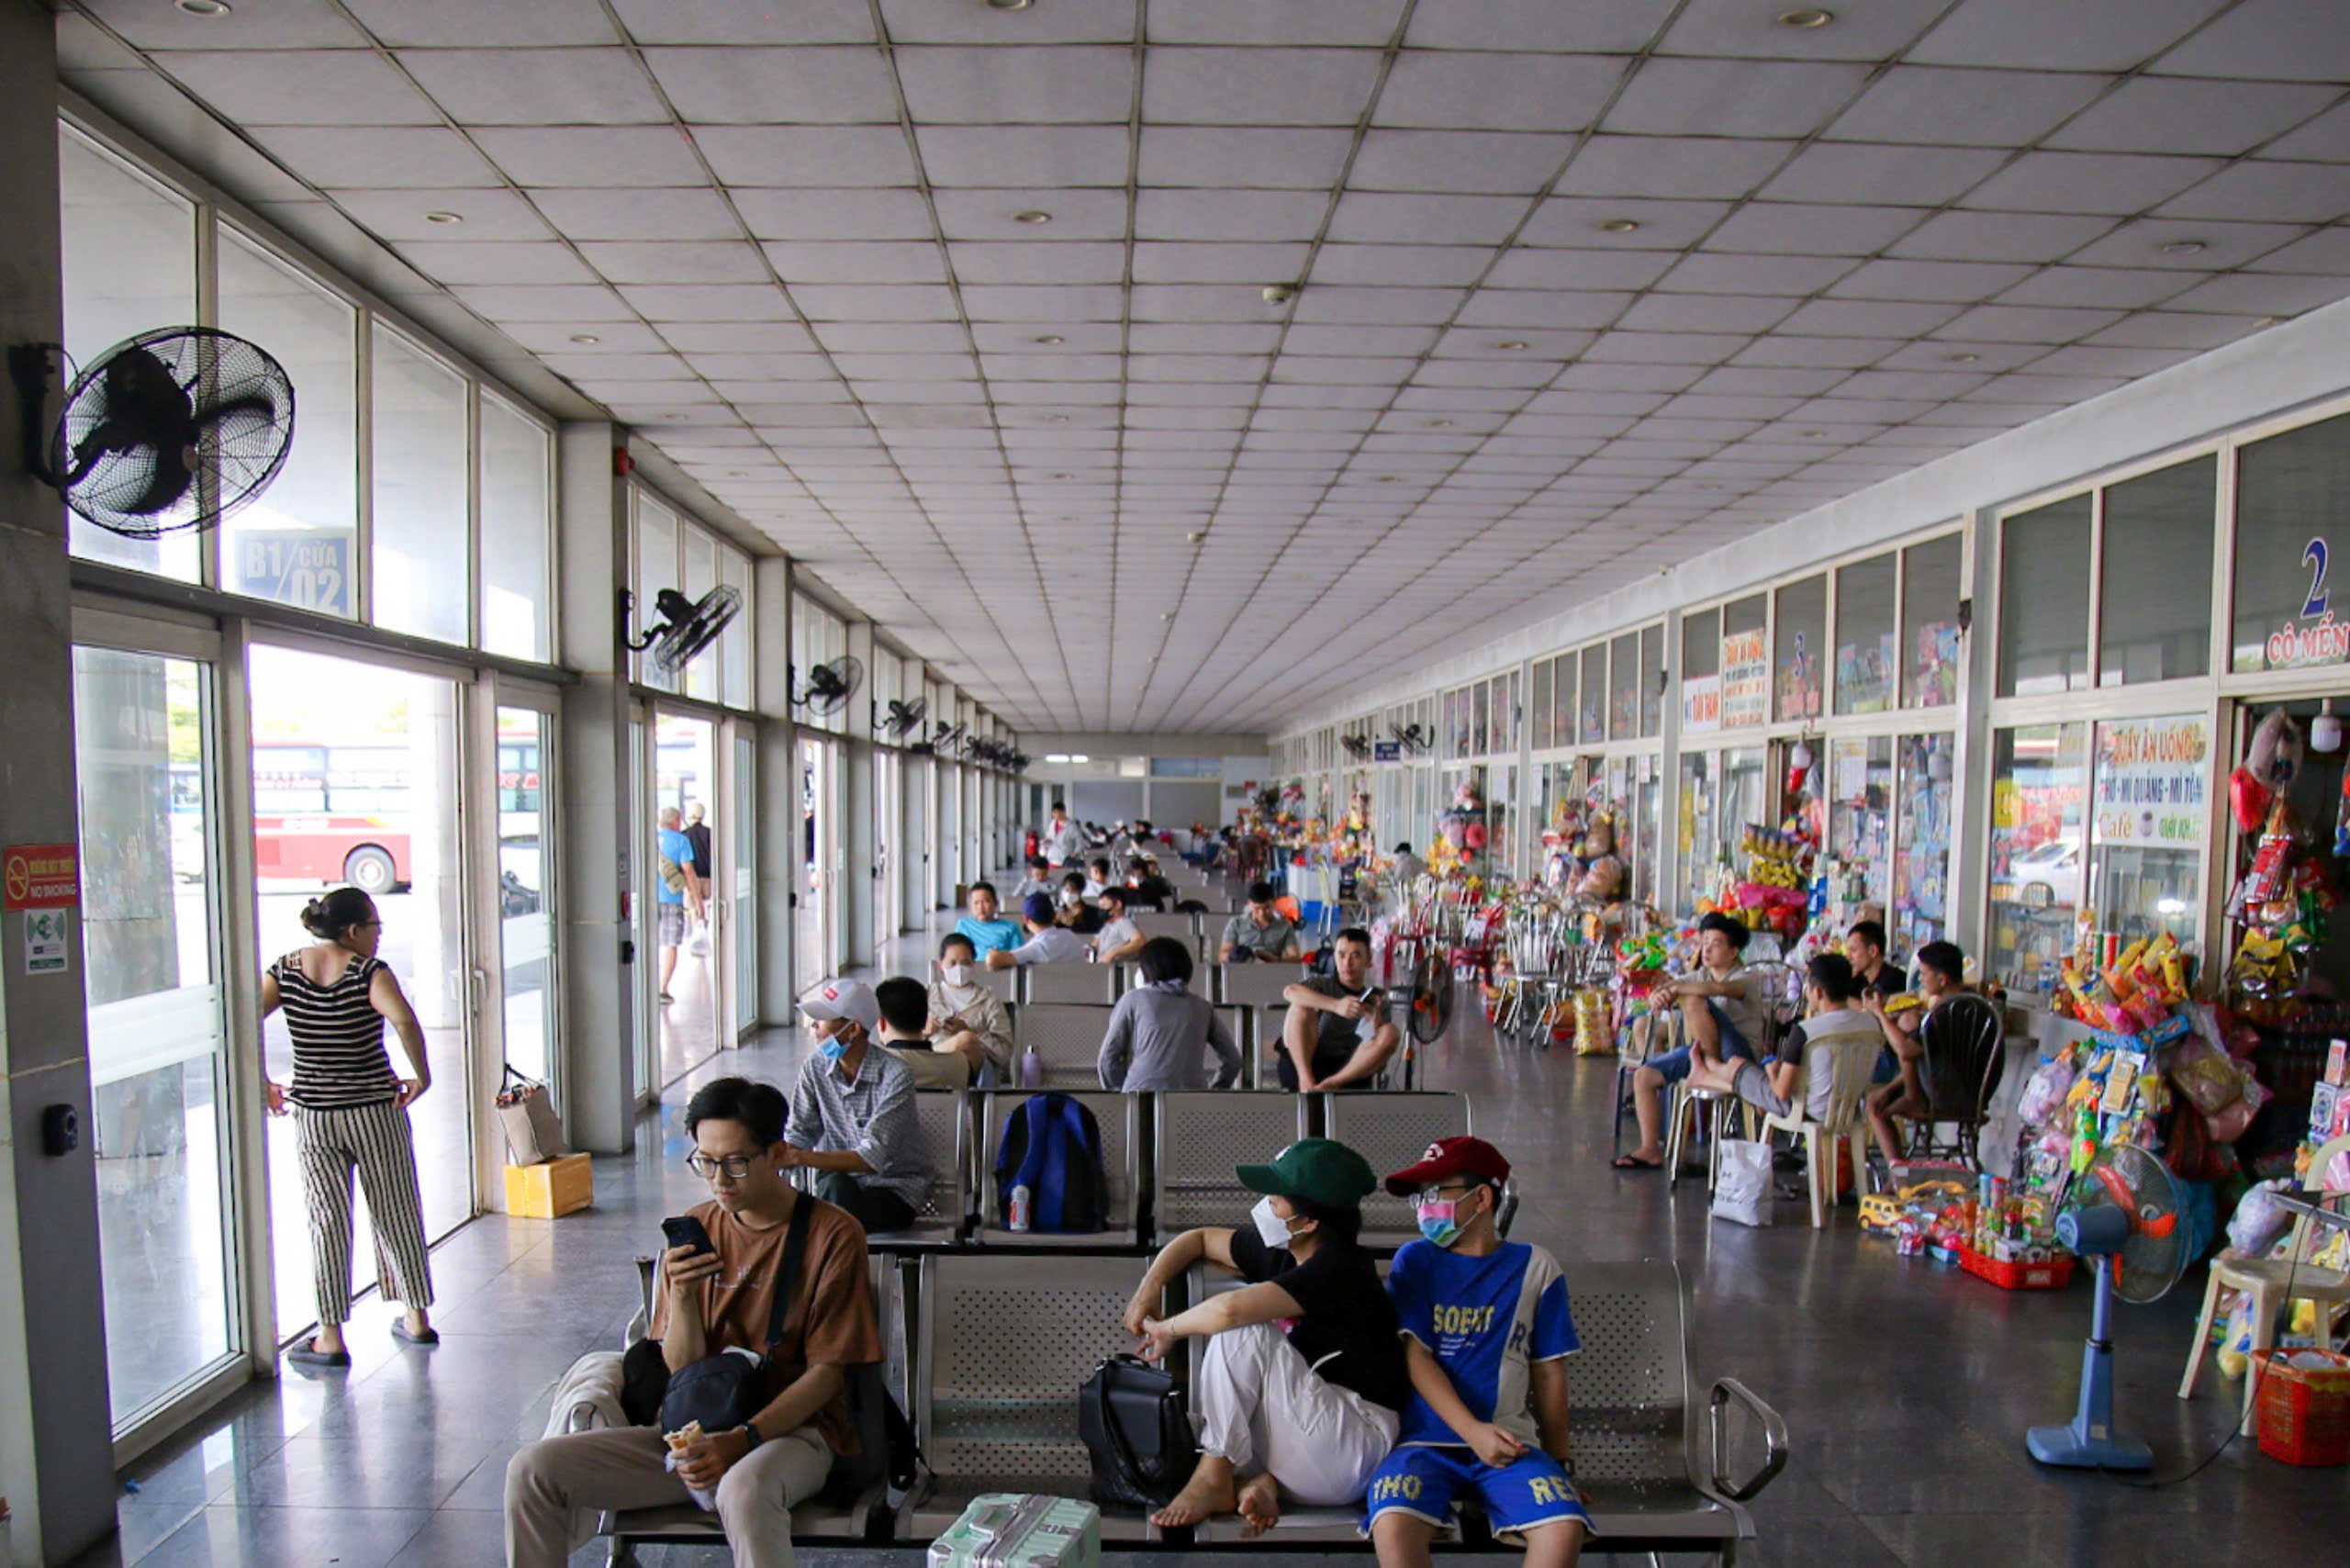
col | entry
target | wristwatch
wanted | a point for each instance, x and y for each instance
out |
(750, 1432)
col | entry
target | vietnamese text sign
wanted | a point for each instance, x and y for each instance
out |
(41, 875)
(1387, 751)
(2150, 788)
(308, 568)
(1746, 681)
(1701, 704)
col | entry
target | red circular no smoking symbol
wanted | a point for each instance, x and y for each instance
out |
(21, 877)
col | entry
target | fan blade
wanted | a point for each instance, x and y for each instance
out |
(165, 485)
(251, 403)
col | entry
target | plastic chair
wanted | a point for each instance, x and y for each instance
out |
(1823, 1140)
(2266, 1280)
(1966, 1059)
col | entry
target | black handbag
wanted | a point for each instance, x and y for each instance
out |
(724, 1391)
(1137, 1428)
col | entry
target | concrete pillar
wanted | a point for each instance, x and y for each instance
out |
(599, 797)
(56, 1439)
(782, 869)
(861, 799)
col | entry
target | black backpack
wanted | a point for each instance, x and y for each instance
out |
(1052, 1145)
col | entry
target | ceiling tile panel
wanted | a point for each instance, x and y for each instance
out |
(1515, 91)
(768, 87)
(1881, 173)
(1938, 106)
(550, 87)
(1014, 86)
(341, 87)
(594, 158)
(378, 157)
(2283, 41)
(2171, 114)
(1183, 86)
(1516, 163)
(731, 22)
(1734, 97)
(1671, 167)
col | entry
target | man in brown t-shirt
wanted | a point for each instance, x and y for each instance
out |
(712, 1302)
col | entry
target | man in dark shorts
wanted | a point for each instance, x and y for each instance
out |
(1337, 1034)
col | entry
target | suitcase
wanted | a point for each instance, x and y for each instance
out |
(1014, 1530)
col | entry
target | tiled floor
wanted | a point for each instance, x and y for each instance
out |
(1906, 1387)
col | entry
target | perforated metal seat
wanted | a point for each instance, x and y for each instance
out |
(1182, 928)
(1084, 984)
(1067, 1040)
(1119, 1118)
(943, 1214)
(997, 1409)
(1255, 985)
(1199, 1136)
(1392, 1130)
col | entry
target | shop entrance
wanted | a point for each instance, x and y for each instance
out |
(888, 848)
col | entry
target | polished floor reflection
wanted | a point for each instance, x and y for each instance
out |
(1906, 1387)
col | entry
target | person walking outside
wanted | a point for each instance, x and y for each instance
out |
(675, 892)
(349, 1113)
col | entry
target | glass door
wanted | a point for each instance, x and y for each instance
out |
(647, 970)
(161, 1122)
(739, 842)
(886, 851)
(913, 840)
(688, 896)
(812, 934)
(951, 878)
(526, 1014)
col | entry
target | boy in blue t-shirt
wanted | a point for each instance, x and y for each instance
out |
(1486, 1334)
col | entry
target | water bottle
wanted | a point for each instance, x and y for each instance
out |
(1032, 1070)
(1018, 1218)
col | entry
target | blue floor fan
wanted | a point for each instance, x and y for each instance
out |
(2122, 1219)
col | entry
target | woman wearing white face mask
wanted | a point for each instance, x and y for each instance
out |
(1295, 1392)
(966, 1014)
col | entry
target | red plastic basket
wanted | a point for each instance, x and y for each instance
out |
(2052, 1275)
(2304, 1411)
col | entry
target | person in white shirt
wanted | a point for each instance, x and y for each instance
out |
(1097, 876)
(1119, 939)
(966, 1014)
(1038, 879)
(1063, 841)
(1048, 943)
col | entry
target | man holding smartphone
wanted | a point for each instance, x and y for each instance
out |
(712, 1301)
(1336, 1033)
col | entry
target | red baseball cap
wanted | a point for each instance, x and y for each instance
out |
(1471, 1157)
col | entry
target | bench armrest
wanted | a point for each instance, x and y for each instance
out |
(1775, 1438)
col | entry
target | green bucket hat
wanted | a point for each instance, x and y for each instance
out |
(1317, 1169)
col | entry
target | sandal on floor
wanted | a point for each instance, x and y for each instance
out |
(1626, 1162)
(399, 1332)
(307, 1354)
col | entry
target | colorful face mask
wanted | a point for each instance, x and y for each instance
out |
(1440, 1220)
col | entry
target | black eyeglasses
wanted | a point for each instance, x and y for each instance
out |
(706, 1167)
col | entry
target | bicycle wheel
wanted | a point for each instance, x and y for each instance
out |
(1432, 997)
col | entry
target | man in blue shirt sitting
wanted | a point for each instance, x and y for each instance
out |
(987, 929)
(675, 891)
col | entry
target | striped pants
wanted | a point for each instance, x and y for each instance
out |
(374, 1140)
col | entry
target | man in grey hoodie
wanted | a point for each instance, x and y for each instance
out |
(1160, 1033)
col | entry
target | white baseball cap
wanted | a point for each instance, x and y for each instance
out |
(842, 998)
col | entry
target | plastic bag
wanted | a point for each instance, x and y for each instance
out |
(2259, 1221)
(1742, 1190)
(2044, 1093)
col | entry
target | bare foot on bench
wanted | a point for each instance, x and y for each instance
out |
(1259, 1504)
(1209, 1491)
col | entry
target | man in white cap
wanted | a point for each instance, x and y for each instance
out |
(853, 1112)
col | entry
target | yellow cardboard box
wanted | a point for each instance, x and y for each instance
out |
(550, 1189)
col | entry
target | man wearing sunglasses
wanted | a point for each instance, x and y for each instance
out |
(1486, 1334)
(710, 1302)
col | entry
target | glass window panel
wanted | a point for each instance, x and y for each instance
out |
(1541, 704)
(1506, 689)
(1501, 820)
(2044, 599)
(1860, 818)
(525, 860)
(1701, 644)
(704, 677)
(1748, 614)
(297, 543)
(1563, 699)
(1797, 642)
(1593, 727)
(517, 514)
(1695, 845)
(735, 642)
(1748, 796)
(128, 265)
(1646, 812)
(420, 484)
(2290, 490)
(1624, 689)
(1930, 596)
(2039, 792)
(2154, 623)
(1864, 641)
(2152, 797)
(1920, 908)
(656, 568)
(1480, 719)
(1652, 681)
(157, 1071)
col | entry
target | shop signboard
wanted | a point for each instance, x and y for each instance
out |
(2150, 788)
(1701, 704)
(1745, 680)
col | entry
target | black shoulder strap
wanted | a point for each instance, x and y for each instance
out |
(795, 1243)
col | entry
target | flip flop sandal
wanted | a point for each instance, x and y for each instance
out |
(1626, 1162)
(399, 1332)
(306, 1354)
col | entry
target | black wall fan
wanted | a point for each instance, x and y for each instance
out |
(905, 717)
(174, 429)
(1409, 737)
(1355, 746)
(687, 626)
(830, 686)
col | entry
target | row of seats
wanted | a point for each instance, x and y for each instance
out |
(1249, 985)
(1168, 1158)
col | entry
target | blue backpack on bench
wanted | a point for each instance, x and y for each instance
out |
(1052, 1145)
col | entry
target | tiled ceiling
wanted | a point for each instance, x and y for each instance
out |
(965, 305)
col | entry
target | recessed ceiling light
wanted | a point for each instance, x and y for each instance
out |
(1619, 226)
(1390, 478)
(444, 218)
(585, 338)
(1065, 477)
(1197, 535)
(1010, 4)
(1056, 419)
(1813, 435)
(1033, 215)
(2185, 247)
(1964, 358)
(1807, 18)
(209, 9)
(1439, 424)
(1513, 344)
(1049, 338)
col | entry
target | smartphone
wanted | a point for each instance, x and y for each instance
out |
(685, 1230)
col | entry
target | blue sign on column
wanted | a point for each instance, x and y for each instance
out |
(1387, 751)
(308, 568)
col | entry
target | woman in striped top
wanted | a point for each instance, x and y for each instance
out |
(350, 1115)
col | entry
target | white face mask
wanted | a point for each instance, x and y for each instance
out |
(957, 975)
(1271, 1229)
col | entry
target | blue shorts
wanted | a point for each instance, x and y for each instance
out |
(1673, 1065)
(1424, 1481)
(1887, 1069)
